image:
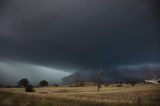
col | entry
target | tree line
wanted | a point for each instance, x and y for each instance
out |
(30, 88)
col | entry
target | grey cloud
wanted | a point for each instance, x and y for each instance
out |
(11, 72)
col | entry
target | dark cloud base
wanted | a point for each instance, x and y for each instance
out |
(122, 73)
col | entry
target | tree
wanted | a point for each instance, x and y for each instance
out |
(43, 83)
(23, 82)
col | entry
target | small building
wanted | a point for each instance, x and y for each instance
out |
(153, 81)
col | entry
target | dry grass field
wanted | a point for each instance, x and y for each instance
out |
(127, 95)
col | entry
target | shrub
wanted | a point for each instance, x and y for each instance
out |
(119, 85)
(133, 83)
(29, 88)
(55, 85)
(106, 84)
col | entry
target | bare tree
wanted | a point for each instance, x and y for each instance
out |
(77, 79)
(98, 80)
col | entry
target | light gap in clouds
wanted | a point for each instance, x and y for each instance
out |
(14, 71)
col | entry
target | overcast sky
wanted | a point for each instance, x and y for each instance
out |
(61, 37)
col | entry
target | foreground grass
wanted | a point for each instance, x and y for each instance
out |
(10, 99)
(82, 96)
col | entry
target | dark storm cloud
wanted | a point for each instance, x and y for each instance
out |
(120, 73)
(3, 4)
(80, 34)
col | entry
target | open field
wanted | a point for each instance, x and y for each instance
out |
(146, 95)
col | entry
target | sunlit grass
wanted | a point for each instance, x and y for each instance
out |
(83, 96)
